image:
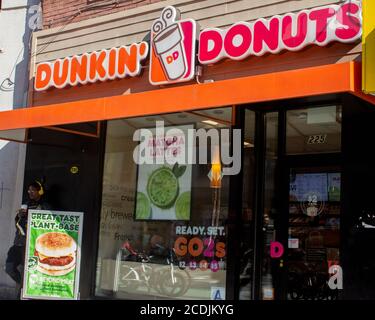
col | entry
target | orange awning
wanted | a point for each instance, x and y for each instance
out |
(327, 79)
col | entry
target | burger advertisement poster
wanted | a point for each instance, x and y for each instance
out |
(52, 255)
(164, 173)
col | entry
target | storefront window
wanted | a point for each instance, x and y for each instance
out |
(314, 202)
(314, 130)
(163, 226)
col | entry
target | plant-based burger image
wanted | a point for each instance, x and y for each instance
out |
(56, 252)
(163, 188)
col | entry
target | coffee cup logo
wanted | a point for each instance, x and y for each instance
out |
(173, 48)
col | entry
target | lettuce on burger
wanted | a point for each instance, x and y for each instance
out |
(56, 253)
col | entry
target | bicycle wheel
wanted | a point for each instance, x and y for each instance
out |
(173, 287)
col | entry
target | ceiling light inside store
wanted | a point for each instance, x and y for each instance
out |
(210, 122)
(248, 144)
(322, 115)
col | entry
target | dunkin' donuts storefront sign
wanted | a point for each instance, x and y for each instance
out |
(172, 49)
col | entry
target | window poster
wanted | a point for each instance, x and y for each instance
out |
(52, 255)
(164, 174)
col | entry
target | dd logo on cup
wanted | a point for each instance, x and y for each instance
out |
(173, 48)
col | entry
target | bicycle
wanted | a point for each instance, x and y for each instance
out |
(136, 270)
(310, 285)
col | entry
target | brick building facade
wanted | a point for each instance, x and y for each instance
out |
(58, 13)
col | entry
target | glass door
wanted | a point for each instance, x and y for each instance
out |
(312, 206)
(313, 245)
(292, 223)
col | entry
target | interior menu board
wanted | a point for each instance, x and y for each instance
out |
(302, 185)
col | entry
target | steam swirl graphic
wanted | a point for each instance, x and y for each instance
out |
(158, 26)
(168, 17)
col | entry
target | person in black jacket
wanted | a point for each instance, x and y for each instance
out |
(16, 254)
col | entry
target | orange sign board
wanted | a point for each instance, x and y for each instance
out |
(173, 53)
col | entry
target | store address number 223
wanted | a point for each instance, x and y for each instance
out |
(196, 247)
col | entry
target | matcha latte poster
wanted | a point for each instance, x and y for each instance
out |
(164, 174)
(52, 255)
